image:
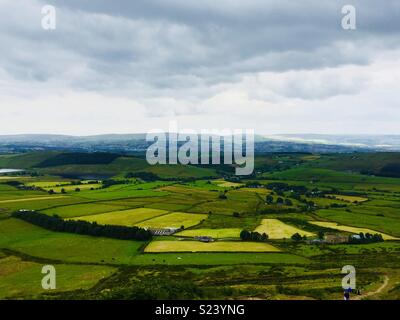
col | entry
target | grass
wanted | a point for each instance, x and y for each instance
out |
(336, 226)
(218, 246)
(125, 217)
(79, 210)
(23, 278)
(34, 241)
(276, 229)
(214, 233)
(212, 258)
(173, 220)
(32, 199)
(356, 217)
(351, 199)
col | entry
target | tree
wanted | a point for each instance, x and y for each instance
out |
(222, 196)
(279, 201)
(321, 235)
(288, 202)
(269, 199)
(63, 190)
(245, 235)
(51, 191)
(297, 237)
(77, 190)
(264, 237)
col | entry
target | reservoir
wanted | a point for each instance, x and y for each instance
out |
(4, 171)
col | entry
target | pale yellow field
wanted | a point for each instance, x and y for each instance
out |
(174, 220)
(276, 229)
(348, 198)
(13, 178)
(124, 217)
(257, 190)
(336, 226)
(71, 188)
(214, 233)
(218, 246)
(45, 184)
(227, 184)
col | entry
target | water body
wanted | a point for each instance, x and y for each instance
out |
(3, 171)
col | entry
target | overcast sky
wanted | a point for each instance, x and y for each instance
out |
(276, 66)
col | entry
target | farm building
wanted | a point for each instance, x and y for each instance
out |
(164, 231)
(334, 238)
(204, 239)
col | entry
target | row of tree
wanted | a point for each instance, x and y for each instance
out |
(55, 223)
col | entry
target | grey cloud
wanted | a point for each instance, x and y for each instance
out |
(185, 48)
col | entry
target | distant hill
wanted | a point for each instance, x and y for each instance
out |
(368, 142)
(132, 143)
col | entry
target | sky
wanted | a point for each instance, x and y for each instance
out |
(275, 66)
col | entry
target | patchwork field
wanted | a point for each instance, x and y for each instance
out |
(173, 220)
(348, 198)
(334, 225)
(86, 209)
(287, 194)
(125, 217)
(276, 229)
(218, 246)
(214, 233)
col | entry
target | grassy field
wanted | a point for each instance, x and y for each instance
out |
(20, 278)
(216, 259)
(357, 218)
(276, 229)
(214, 233)
(335, 226)
(348, 198)
(218, 246)
(173, 220)
(125, 217)
(34, 241)
(86, 209)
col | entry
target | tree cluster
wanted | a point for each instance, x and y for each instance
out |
(366, 238)
(253, 236)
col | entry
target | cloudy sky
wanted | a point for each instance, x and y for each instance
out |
(276, 66)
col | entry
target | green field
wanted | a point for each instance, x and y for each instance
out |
(34, 241)
(334, 225)
(173, 220)
(125, 217)
(23, 278)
